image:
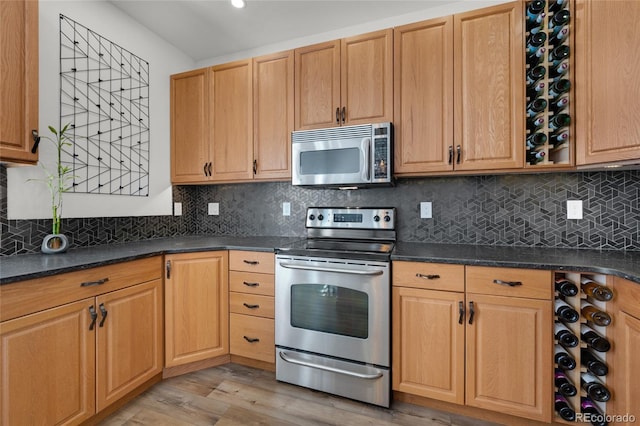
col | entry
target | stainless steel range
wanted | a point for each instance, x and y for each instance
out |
(333, 304)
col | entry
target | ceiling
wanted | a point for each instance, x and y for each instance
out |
(209, 29)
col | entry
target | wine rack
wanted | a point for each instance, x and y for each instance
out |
(575, 302)
(549, 67)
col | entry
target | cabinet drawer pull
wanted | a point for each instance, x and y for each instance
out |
(94, 317)
(36, 141)
(472, 312)
(248, 284)
(428, 276)
(104, 314)
(458, 154)
(92, 283)
(251, 306)
(344, 114)
(450, 154)
(209, 169)
(338, 115)
(461, 311)
(251, 262)
(251, 339)
(168, 269)
(509, 283)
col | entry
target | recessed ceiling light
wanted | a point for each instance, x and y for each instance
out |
(238, 3)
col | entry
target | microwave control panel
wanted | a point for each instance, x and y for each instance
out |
(382, 152)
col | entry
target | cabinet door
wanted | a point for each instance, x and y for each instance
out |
(606, 81)
(196, 307)
(508, 346)
(47, 366)
(129, 349)
(366, 87)
(626, 365)
(317, 85)
(19, 82)
(231, 122)
(189, 127)
(423, 92)
(489, 87)
(272, 115)
(428, 344)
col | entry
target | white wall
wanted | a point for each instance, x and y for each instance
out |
(31, 200)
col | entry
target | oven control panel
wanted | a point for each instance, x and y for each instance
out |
(351, 217)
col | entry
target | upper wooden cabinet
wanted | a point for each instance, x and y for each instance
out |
(607, 36)
(345, 82)
(459, 92)
(19, 82)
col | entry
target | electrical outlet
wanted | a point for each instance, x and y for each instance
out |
(286, 209)
(177, 209)
(425, 210)
(574, 209)
(214, 209)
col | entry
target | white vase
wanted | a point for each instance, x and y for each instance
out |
(54, 243)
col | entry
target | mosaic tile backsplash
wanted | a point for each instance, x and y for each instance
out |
(506, 210)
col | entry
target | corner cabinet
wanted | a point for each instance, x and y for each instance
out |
(196, 307)
(19, 82)
(345, 82)
(606, 80)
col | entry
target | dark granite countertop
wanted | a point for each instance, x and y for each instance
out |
(619, 263)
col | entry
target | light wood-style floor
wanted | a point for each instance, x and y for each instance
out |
(237, 395)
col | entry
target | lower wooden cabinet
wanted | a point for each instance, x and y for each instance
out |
(196, 307)
(252, 337)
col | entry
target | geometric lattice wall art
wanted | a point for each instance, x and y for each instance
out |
(104, 97)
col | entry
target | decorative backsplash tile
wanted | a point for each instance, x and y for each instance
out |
(507, 210)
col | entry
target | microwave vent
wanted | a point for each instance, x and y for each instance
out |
(333, 133)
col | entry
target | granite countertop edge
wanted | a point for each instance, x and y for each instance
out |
(624, 264)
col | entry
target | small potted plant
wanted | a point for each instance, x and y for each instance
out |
(58, 183)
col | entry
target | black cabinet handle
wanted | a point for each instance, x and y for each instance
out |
(36, 141)
(209, 168)
(344, 114)
(251, 339)
(509, 283)
(458, 153)
(472, 312)
(251, 306)
(450, 154)
(428, 276)
(204, 169)
(251, 262)
(255, 166)
(92, 283)
(248, 284)
(168, 266)
(461, 311)
(94, 317)
(104, 314)
(338, 115)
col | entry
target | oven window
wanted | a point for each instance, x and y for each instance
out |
(330, 161)
(330, 309)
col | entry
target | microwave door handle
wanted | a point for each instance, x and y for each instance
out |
(366, 153)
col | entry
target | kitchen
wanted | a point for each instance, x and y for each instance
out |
(501, 210)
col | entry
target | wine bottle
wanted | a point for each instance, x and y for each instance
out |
(555, 5)
(534, 123)
(559, 105)
(559, 70)
(536, 106)
(535, 74)
(536, 90)
(564, 385)
(592, 386)
(563, 359)
(565, 337)
(559, 87)
(563, 408)
(593, 339)
(558, 54)
(559, 121)
(536, 25)
(559, 20)
(566, 287)
(535, 41)
(595, 315)
(559, 37)
(587, 406)
(595, 290)
(535, 57)
(535, 140)
(558, 138)
(592, 363)
(535, 9)
(565, 312)
(535, 157)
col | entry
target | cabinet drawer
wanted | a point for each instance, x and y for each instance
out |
(25, 297)
(248, 282)
(531, 283)
(433, 276)
(252, 261)
(251, 304)
(243, 327)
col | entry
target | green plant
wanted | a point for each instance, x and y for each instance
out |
(58, 181)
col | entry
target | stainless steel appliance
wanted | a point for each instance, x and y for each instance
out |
(343, 157)
(333, 304)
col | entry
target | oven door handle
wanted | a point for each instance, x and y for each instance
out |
(323, 269)
(286, 358)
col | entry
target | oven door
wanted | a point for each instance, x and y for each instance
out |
(332, 162)
(334, 307)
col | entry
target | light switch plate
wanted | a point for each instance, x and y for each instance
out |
(214, 209)
(574, 209)
(425, 210)
(177, 209)
(286, 208)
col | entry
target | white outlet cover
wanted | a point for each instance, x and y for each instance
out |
(574, 209)
(286, 208)
(214, 209)
(177, 209)
(426, 210)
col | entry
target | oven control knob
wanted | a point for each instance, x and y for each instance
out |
(320, 217)
(312, 217)
(376, 218)
(387, 218)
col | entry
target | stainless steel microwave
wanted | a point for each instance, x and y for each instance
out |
(343, 157)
